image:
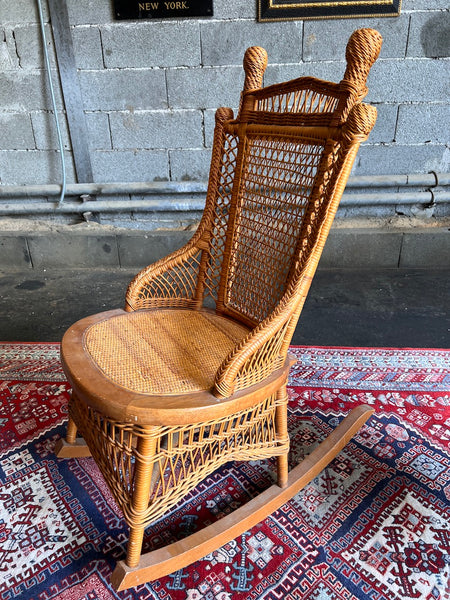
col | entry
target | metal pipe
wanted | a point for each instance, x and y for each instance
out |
(409, 180)
(62, 188)
(102, 206)
(191, 187)
(104, 189)
(390, 198)
(193, 204)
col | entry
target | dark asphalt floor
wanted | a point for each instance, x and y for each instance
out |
(381, 308)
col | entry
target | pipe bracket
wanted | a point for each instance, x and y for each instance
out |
(432, 202)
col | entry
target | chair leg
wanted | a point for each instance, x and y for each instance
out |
(282, 435)
(71, 447)
(71, 433)
(140, 498)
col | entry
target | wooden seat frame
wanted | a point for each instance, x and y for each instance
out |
(278, 171)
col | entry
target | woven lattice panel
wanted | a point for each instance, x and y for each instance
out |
(305, 100)
(221, 213)
(182, 456)
(278, 177)
(162, 351)
(174, 286)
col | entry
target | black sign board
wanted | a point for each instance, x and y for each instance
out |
(162, 9)
(282, 10)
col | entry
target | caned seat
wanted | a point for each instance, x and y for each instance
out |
(193, 372)
(158, 352)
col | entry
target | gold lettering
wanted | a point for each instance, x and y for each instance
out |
(176, 5)
(148, 5)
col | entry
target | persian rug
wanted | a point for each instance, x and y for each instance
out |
(375, 524)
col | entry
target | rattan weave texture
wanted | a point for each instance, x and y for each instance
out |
(163, 351)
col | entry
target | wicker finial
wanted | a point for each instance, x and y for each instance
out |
(223, 114)
(362, 51)
(255, 63)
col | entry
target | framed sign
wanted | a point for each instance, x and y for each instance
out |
(284, 10)
(162, 9)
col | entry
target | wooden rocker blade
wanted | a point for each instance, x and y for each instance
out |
(161, 562)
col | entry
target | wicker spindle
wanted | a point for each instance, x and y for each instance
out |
(140, 499)
(282, 436)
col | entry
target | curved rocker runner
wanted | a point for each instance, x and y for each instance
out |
(193, 373)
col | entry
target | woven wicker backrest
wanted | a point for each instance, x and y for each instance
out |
(276, 170)
(278, 175)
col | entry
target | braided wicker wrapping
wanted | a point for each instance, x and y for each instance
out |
(277, 174)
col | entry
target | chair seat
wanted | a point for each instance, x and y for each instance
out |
(155, 366)
(162, 351)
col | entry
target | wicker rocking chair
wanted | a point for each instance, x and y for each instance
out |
(193, 373)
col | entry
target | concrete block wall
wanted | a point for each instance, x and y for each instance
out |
(150, 87)
(90, 247)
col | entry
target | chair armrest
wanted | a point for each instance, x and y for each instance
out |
(260, 353)
(170, 282)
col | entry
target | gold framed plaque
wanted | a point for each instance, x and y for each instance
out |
(284, 10)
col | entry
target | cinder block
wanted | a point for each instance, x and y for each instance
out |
(327, 39)
(30, 49)
(21, 11)
(143, 249)
(190, 165)
(384, 129)
(420, 123)
(238, 9)
(429, 248)
(85, 12)
(124, 89)
(16, 131)
(429, 35)
(20, 167)
(99, 135)
(224, 42)
(427, 5)
(409, 80)
(151, 44)
(361, 248)
(209, 123)
(127, 165)
(157, 129)
(87, 48)
(8, 53)
(24, 90)
(207, 87)
(73, 251)
(44, 128)
(399, 158)
(14, 253)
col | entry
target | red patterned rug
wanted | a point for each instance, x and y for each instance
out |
(375, 524)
